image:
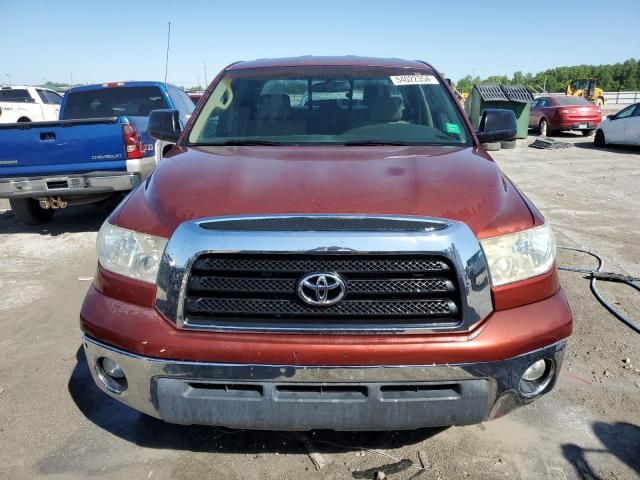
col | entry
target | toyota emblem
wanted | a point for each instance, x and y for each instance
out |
(321, 289)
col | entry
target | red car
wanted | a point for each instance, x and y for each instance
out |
(195, 96)
(327, 245)
(561, 112)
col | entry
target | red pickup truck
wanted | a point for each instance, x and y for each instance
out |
(327, 245)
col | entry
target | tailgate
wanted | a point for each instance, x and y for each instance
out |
(65, 146)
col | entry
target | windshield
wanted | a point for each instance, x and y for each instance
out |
(581, 84)
(325, 106)
(567, 101)
(113, 102)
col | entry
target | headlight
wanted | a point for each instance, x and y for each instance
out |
(520, 255)
(132, 254)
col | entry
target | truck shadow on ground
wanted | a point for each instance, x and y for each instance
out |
(621, 440)
(145, 431)
(74, 220)
(586, 142)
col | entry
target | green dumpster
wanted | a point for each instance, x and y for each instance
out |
(492, 95)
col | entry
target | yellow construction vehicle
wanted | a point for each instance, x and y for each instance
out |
(587, 88)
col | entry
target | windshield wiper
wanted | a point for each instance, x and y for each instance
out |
(238, 143)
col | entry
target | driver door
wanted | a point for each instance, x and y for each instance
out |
(632, 128)
(618, 125)
(534, 115)
(50, 104)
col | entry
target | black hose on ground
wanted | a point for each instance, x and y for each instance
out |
(598, 274)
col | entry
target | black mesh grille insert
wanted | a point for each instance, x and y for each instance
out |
(249, 290)
(369, 308)
(301, 265)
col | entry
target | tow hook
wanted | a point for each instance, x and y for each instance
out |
(53, 203)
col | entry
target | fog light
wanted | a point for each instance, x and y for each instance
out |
(537, 377)
(535, 371)
(111, 375)
(112, 369)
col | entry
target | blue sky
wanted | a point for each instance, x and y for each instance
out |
(93, 41)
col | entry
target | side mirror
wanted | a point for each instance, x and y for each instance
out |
(164, 125)
(496, 125)
(611, 117)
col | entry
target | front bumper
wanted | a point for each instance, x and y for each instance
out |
(65, 185)
(579, 125)
(293, 397)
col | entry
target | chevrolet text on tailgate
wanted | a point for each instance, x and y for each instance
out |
(98, 148)
(328, 245)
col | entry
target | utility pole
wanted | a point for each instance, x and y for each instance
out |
(206, 84)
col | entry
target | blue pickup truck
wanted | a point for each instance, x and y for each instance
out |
(99, 147)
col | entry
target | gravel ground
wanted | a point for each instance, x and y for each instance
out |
(55, 423)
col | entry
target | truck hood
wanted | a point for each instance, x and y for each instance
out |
(453, 183)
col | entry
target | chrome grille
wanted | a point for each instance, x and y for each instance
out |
(261, 290)
(198, 283)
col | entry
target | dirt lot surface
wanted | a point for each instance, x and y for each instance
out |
(55, 423)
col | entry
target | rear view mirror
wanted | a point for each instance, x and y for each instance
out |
(334, 86)
(164, 125)
(497, 125)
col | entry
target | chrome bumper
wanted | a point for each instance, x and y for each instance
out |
(64, 185)
(279, 397)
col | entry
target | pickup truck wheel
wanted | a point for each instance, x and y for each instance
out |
(29, 212)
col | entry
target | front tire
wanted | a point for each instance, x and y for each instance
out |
(599, 139)
(508, 144)
(29, 212)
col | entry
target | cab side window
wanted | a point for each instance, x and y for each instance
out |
(52, 97)
(42, 96)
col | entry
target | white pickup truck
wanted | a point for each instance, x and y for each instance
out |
(28, 104)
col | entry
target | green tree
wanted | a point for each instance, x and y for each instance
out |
(611, 77)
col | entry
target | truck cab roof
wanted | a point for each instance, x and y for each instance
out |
(97, 86)
(330, 61)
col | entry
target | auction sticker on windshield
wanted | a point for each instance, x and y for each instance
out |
(452, 127)
(414, 80)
